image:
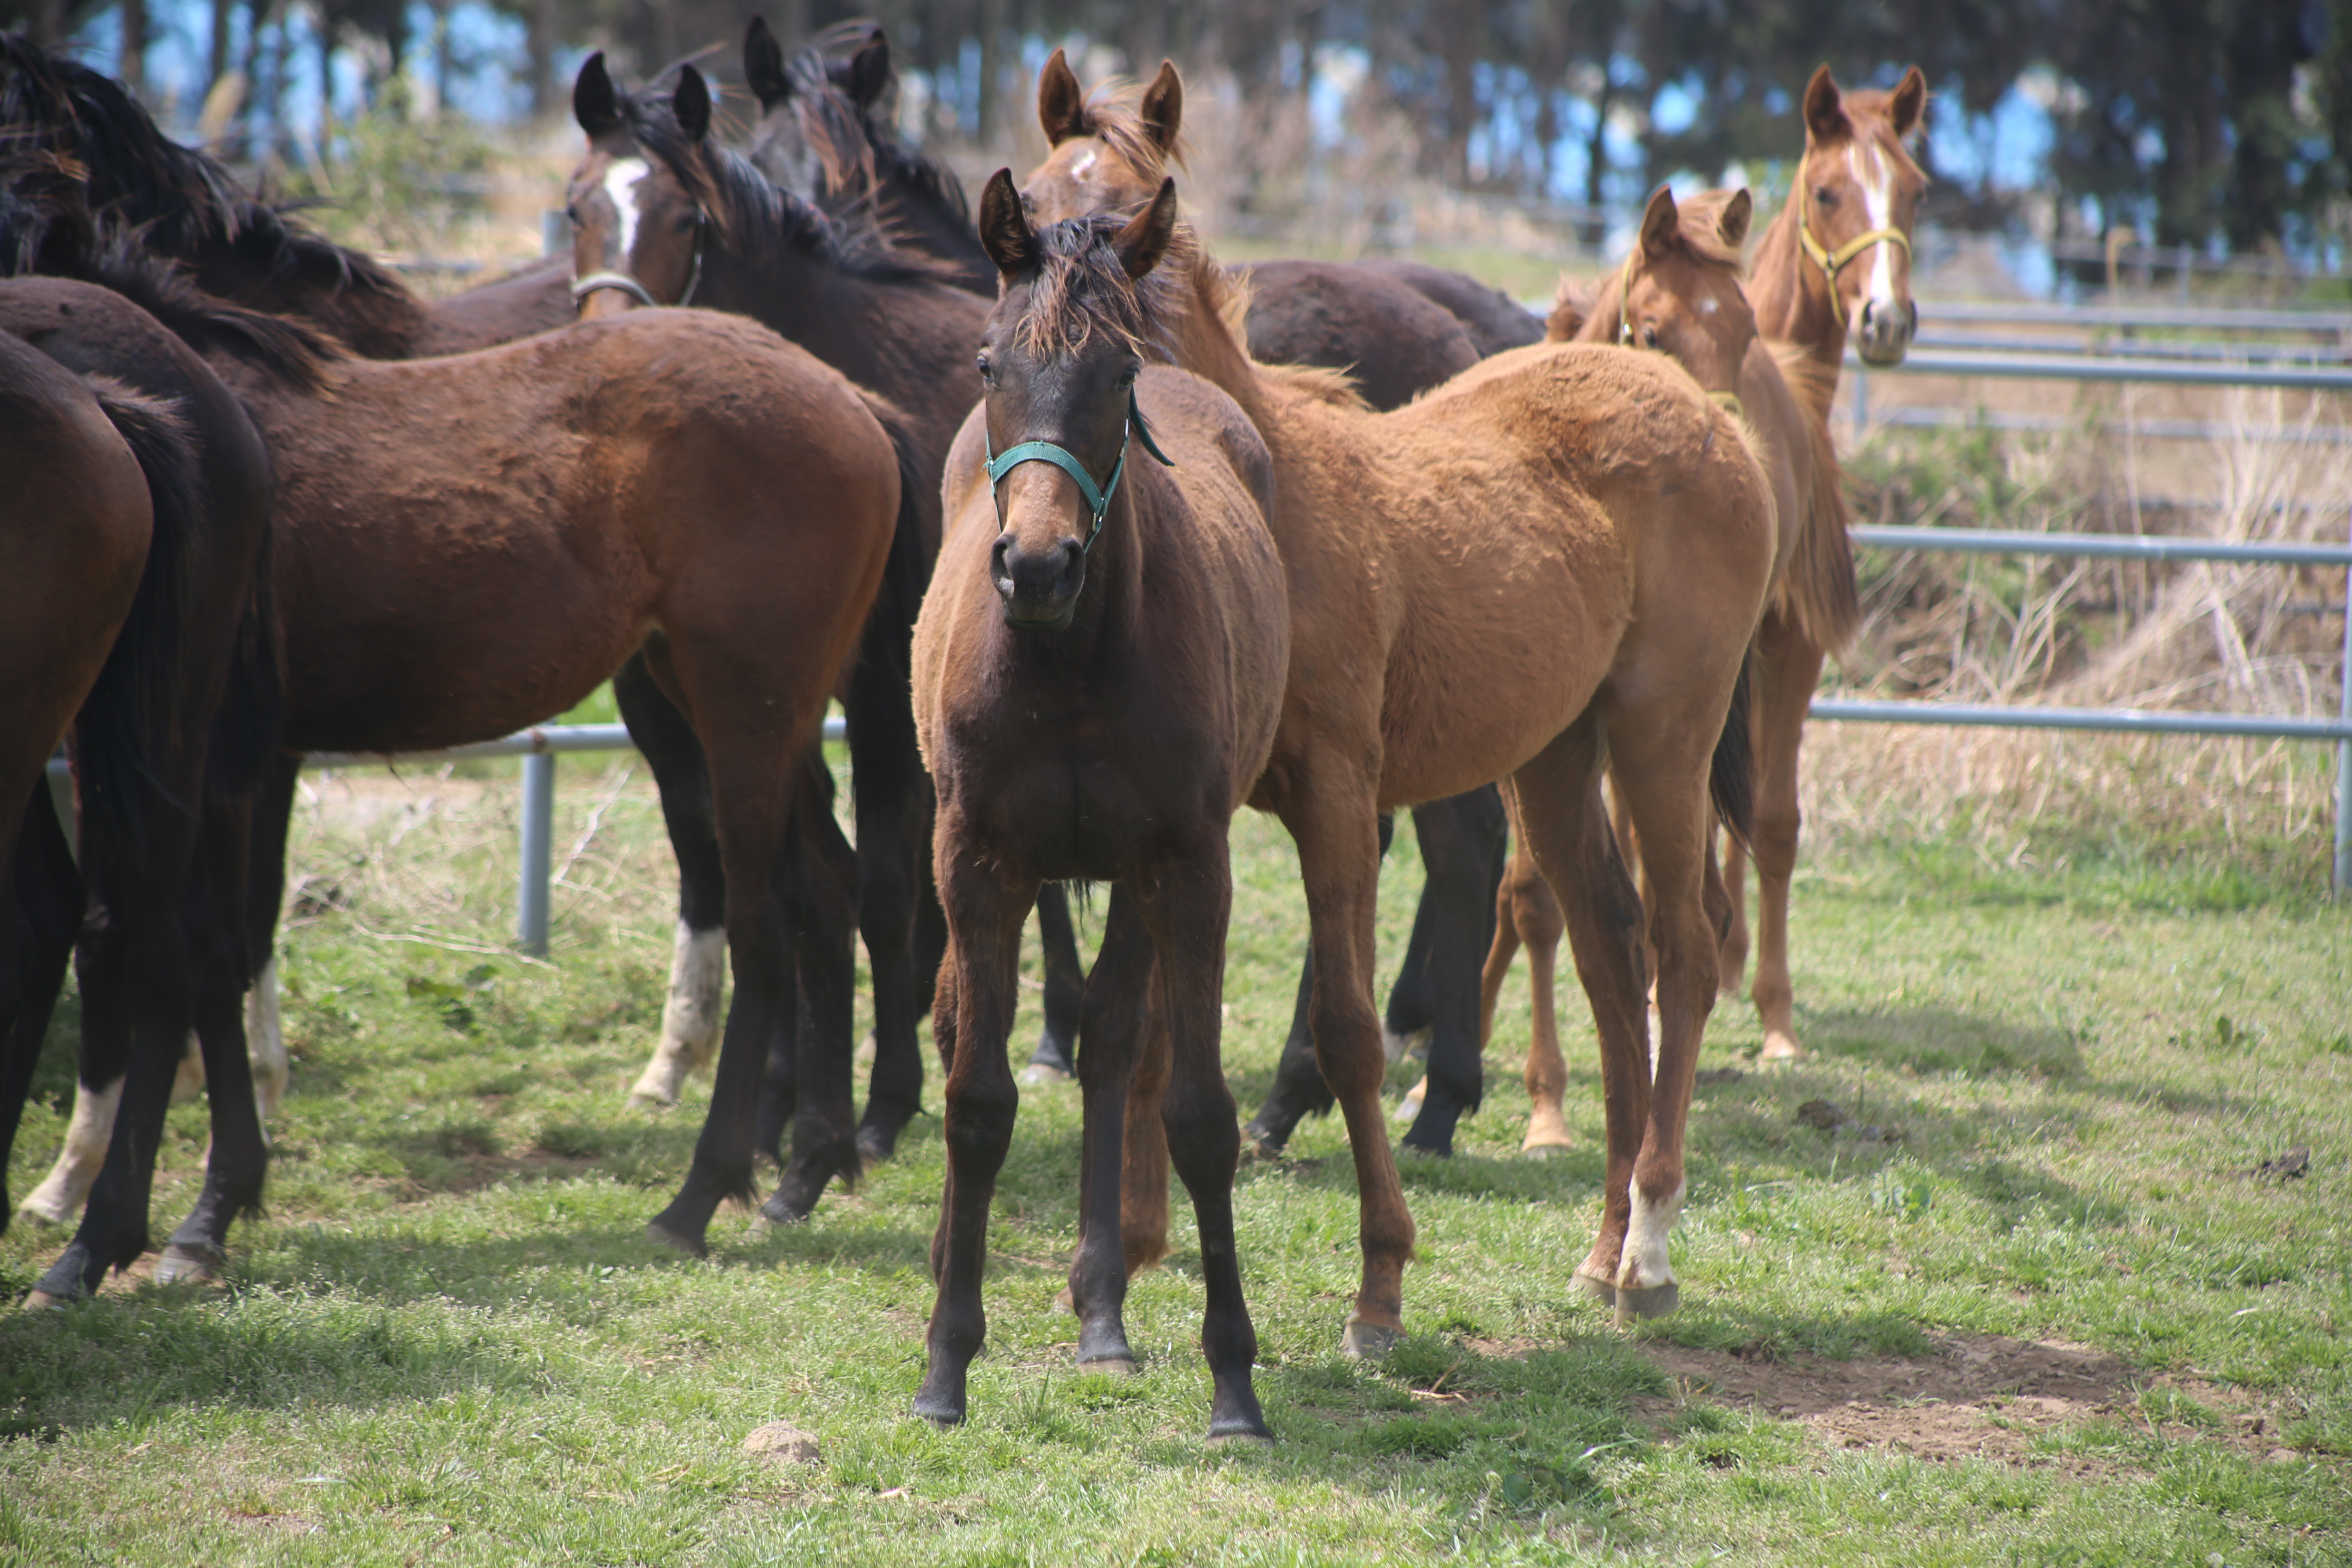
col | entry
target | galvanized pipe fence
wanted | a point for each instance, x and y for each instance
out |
(539, 747)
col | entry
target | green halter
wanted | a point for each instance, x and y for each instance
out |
(1098, 501)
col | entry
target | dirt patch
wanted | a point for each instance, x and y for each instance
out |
(1974, 1396)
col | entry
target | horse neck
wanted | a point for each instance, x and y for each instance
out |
(1206, 346)
(1792, 299)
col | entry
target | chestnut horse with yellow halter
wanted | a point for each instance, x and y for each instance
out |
(1678, 293)
(1546, 568)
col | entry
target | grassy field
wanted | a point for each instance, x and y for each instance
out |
(2026, 1303)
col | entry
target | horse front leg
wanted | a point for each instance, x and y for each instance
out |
(821, 904)
(1789, 669)
(985, 912)
(1187, 909)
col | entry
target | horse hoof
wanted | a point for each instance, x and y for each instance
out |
(1780, 1045)
(187, 1266)
(1601, 1291)
(641, 1101)
(692, 1245)
(1369, 1341)
(1037, 1074)
(42, 1301)
(1546, 1149)
(1655, 1302)
(1410, 1106)
(783, 1207)
(942, 1413)
(1247, 1439)
(1112, 1366)
(874, 1147)
(1435, 1150)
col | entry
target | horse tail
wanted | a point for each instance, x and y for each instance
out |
(1731, 774)
(886, 761)
(246, 728)
(125, 728)
(1819, 589)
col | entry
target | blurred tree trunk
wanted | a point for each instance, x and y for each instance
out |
(133, 68)
(992, 65)
(217, 63)
(538, 34)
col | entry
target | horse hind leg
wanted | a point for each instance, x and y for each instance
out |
(1568, 835)
(1540, 924)
(1462, 841)
(1066, 983)
(691, 1013)
(1112, 1019)
(822, 905)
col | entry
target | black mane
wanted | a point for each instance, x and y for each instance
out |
(754, 214)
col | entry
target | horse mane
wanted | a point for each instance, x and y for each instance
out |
(1080, 290)
(182, 202)
(859, 152)
(1228, 298)
(754, 214)
(1818, 584)
(47, 228)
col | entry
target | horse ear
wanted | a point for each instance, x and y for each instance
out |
(1145, 240)
(1910, 102)
(1732, 222)
(1568, 310)
(594, 102)
(1825, 118)
(1004, 231)
(764, 65)
(691, 103)
(1164, 107)
(1061, 102)
(869, 71)
(1661, 224)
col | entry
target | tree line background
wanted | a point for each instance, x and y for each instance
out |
(2221, 125)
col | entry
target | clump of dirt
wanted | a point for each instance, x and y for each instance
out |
(1974, 1396)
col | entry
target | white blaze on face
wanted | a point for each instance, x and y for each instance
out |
(1873, 173)
(621, 181)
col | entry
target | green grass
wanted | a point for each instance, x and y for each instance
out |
(449, 1340)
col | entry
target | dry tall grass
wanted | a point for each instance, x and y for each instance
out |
(2078, 633)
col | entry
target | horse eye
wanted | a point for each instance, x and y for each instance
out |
(572, 213)
(1649, 337)
(987, 371)
(1127, 377)
(1827, 198)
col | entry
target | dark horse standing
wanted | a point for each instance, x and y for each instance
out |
(1099, 677)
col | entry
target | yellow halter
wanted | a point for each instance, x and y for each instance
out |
(1832, 262)
(1729, 400)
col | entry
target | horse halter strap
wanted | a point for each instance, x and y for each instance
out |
(1832, 262)
(1729, 400)
(1097, 500)
(627, 283)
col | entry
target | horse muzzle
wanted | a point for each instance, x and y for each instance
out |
(1039, 587)
(1885, 332)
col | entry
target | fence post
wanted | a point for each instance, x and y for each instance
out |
(1861, 383)
(538, 828)
(2343, 879)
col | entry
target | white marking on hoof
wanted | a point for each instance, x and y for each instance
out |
(1780, 1045)
(1642, 1270)
(690, 1018)
(1399, 1046)
(190, 1082)
(265, 1042)
(1038, 1074)
(1410, 1106)
(60, 1197)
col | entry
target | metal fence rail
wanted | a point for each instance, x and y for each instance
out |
(538, 747)
(2129, 720)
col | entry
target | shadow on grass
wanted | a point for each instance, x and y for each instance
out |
(1937, 1040)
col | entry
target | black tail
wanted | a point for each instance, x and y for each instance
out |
(1731, 776)
(245, 729)
(124, 729)
(885, 758)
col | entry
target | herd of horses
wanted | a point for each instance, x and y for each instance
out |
(1096, 540)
